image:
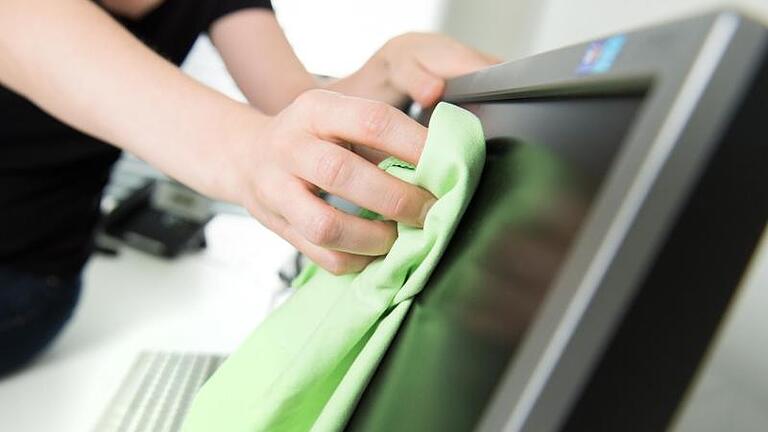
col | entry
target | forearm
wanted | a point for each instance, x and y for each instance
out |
(262, 62)
(75, 62)
(260, 59)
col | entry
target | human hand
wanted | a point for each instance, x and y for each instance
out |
(410, 66)
(415, 66)
(419, 64)
(305, 149)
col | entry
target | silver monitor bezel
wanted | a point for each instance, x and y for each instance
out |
(692, 73)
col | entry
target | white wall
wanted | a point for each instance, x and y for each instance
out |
(564, 22)
(517, 28)
(335, 37)
(505, 28)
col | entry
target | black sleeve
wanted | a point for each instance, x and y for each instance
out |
(173, 27)
(225, 7)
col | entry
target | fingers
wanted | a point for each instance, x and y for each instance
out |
(490, 59)
(420, 63)
(333, 261)
(336, 262)
(330, 228)
(373, 156)
(448, 58)
(338, 118)
(307, 146)
(417, 82)
(343, 173)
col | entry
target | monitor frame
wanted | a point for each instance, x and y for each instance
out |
(693, 73)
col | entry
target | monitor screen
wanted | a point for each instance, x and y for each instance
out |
(546, 160)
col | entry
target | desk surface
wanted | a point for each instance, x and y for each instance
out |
(210, 301)
(206, 302)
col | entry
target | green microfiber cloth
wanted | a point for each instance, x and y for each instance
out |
(307, 364)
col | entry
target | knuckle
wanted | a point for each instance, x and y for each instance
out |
(376, 120)
(309, 97)
(331, 170)
(324, 229)
(254, 201)
(309, 101)
(397, 205)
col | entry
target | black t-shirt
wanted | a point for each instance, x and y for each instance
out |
(52, 177)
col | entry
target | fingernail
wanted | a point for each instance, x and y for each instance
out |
(425, 209)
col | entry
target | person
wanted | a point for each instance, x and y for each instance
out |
(78, 74)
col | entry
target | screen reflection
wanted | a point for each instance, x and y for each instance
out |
(466, 325)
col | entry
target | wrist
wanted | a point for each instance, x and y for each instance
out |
(240, 140)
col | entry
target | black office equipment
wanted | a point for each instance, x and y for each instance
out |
(163, 219)
(624, 195)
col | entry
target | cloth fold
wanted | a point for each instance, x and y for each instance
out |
(305, 367)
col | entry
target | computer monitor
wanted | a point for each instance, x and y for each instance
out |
(625, 190)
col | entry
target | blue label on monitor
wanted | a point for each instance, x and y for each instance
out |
(600, 55)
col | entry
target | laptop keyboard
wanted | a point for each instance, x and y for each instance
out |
(157, 392)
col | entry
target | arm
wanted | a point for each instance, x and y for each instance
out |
(260, 59)
(413, 65)
(74, 61)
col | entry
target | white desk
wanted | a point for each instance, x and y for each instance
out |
(210, 301)
(204, 302)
